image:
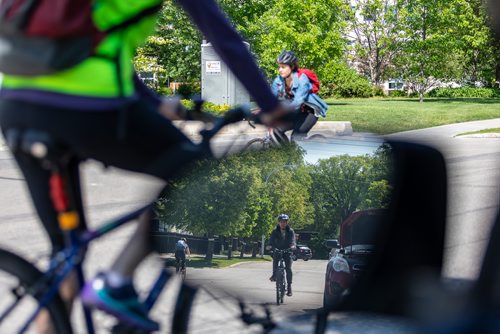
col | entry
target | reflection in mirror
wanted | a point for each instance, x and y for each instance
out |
(334, 192)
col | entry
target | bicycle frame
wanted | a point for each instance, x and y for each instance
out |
(70, 259)
(280, 276)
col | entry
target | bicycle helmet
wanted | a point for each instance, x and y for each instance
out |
(288, 57)
(283, 216)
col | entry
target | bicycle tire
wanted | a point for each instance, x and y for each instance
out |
(282, 287)
(278, 297)
(17, 275)
(255, 144)
(280, 283)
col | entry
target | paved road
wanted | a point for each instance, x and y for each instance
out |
(474, 170)
(109, 192)
(474, 190)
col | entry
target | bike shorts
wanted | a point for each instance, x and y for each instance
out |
(180, 255)
(136, 138)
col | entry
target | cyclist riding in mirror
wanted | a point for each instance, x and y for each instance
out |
(99, 109)
(283, 237)
(295, 88)
(181, 249)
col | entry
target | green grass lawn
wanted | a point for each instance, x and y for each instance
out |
(217, 262)
(389, 115)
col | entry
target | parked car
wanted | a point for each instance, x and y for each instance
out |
(350, 255)
(302, 252)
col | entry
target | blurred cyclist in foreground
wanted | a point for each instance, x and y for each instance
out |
(100, 110)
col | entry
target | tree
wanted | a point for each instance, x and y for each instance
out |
(374, 31)
(476, 41)
(430, 51)
(234, 197)
(311, 28)
(344, 184)
(174, 51)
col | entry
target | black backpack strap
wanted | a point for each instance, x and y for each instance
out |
(135, 18)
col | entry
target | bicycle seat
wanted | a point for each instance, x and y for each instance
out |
(36, 143)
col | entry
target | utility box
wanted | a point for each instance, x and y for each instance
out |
(218, 84)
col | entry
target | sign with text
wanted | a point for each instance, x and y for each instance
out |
(213, 67)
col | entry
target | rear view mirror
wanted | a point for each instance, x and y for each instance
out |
(332, 243)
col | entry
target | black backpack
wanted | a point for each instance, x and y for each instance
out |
(39, 37)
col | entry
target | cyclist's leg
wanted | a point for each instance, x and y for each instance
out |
(275, 267)
(37, 180)
(288, 268)
(177, 261)
(146, 142)
(305, 122)
(278, 134)
(183, 260)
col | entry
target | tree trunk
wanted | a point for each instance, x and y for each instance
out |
(230, 249)
(210, 250)
(242, 250)
(421, 96)
(255, 246)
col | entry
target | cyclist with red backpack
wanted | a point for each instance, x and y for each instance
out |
(299, 88)
(68, 74)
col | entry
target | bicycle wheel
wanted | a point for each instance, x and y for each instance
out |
(21, 290)
(279, 281)
(255, 144)
(282, 287)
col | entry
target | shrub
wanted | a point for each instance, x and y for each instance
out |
(208, 107)
(186, 91)
(318, 248)
(378, 91)
(466, 92)
(397, 93)
(164, 90)
(338, 80)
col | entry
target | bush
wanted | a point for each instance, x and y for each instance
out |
(164, 90)
(187, 91)
(318, 248)
(350, 84)
(467, 92)
(378, 91)
(338, 80)
(398, 93)
(208, 107)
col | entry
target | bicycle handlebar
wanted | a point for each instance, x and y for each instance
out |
(239, 113)
(281, 252)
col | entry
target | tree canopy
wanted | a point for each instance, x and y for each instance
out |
(424, 42)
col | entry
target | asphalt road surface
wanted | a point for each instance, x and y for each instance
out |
(474, 170)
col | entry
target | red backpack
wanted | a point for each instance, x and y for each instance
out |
(313, 79)
(40, 37)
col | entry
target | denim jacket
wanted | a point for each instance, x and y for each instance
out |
(301, 93)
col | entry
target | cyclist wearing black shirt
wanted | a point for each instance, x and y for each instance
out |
(283, 237)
